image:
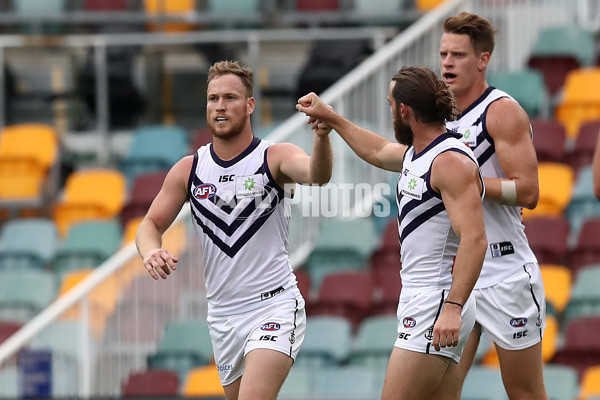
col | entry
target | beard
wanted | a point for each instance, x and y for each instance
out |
(402, 131)
(234, 130)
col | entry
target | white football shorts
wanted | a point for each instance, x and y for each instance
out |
(417, 316)
(279, 326)
(512, 313)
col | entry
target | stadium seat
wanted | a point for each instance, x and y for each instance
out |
(169, 8)
(590, 383)
(548, 238)
(347, 294)
(303, 283)
(297, 386)
(549, 139)
(151, 383)
(581, 349)
(90, 194)
(583, 205)
(427, 5)
(527, 87)
(63, 338)
(387, 291)
(317, 5)
(374, 342)
(343, 244)
(183, 346)
(551, 338)
(202, 137)
(483, 383)
(106, 5)
(29, 243)
(579, 104)
(562, 382)
(87, 245)
(101, 300)
(559, 50)
(583, 152)
(33, 8)
(387, 254)
(153, 148)
(7, 329)
(203, 382)
(23, 294)
(385, 12)
(585, 298)
(349, 383)
(557, 285)
(556, 185)
(130, 229)
(145, 188)
(327, 342)
(29, 155)
(587, 248)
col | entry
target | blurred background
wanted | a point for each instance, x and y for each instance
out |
(99, 98)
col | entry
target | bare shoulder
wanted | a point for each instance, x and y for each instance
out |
(180, 172)
(506, 117)
(452, 167)
(282, 150)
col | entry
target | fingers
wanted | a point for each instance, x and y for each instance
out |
(444, 338)
(160, 263)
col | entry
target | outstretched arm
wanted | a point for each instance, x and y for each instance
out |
(371, 147)
(508, 124)
(165, 207)
(456, 177)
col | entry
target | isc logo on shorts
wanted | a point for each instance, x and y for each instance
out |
(409, 322)
(205, 191)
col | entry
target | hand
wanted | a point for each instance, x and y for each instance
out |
(313, 107)
(447, 327)
(161, 261)
(320, 128)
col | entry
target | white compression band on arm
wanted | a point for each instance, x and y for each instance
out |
(508, 188)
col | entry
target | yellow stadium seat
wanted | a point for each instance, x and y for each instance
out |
(203, 382)
(580, 102)
(170, 7)
(131, 229)
(557, 284)
(556, 186)
(90, 194)
(101, 301)
(550, 340)
(590, 383)
(427, 5)
(27, 154)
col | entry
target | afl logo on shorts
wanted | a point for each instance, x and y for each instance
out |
(409, 322)
(205, 191)
(518, 322)
(270, 326)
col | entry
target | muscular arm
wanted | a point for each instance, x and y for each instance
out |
(165, 207)
(508, 124)
(456, 178)
(290, 164)
(596, 168)
(374, 149)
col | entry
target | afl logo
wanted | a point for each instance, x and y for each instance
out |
(518, 322)
(270, 326)
(409, 322)
(205, 191)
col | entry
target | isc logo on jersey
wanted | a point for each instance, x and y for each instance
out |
(205, 191)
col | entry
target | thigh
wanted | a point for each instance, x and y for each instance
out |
(522, 372)
(513, 312)
(264, 374)
(413, 376)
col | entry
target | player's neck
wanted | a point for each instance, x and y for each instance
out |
(424, 135)
(464, 100)
(230, 147)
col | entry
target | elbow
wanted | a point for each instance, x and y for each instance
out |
(530, 199)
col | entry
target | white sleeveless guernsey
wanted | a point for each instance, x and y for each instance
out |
(508, 248)
(427, 241)
(241, 218)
